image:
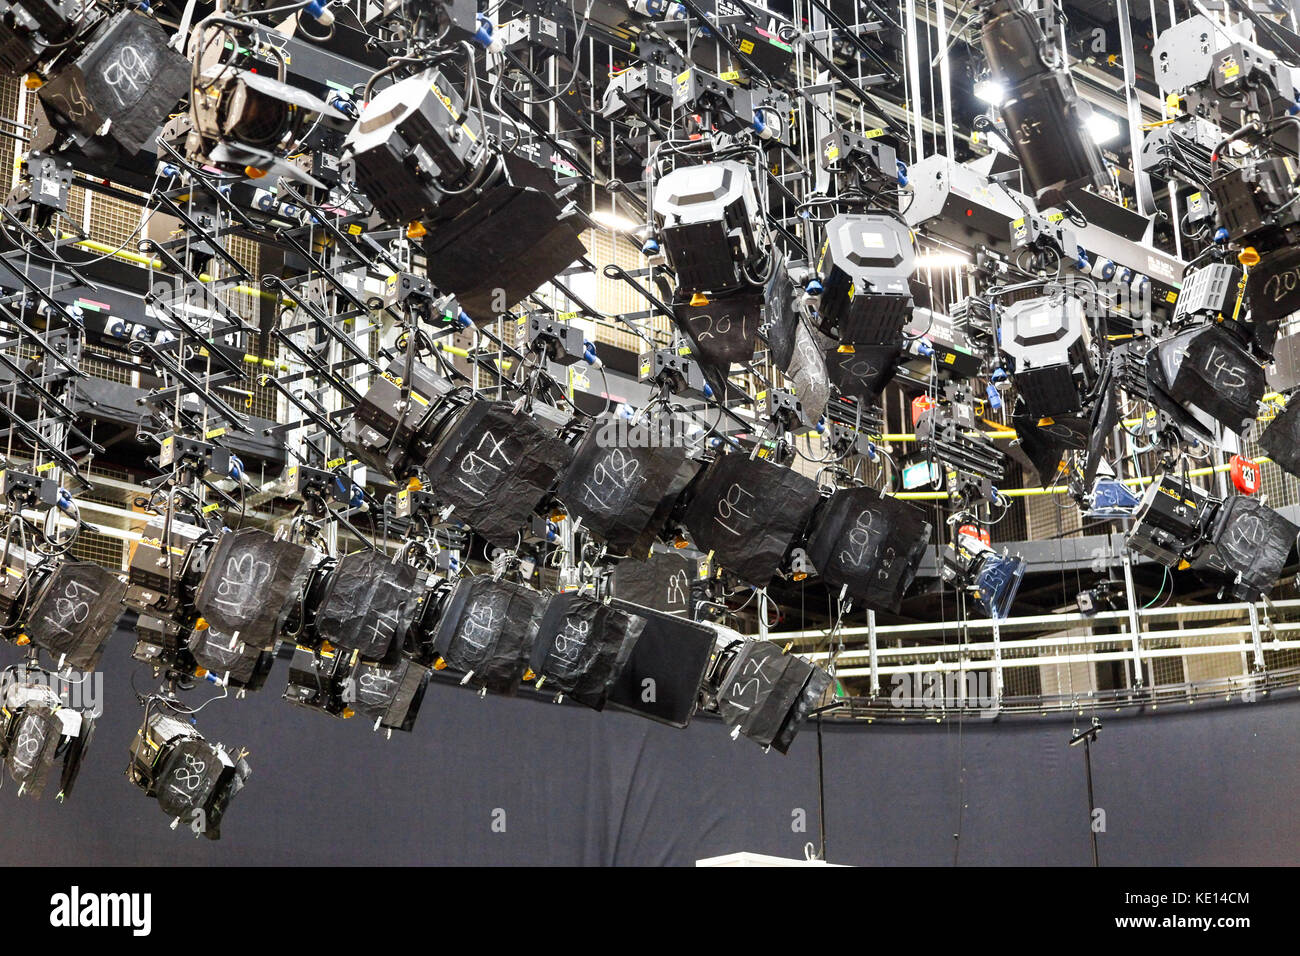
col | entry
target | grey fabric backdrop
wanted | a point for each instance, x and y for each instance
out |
(1187, 785)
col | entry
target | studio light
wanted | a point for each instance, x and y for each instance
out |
(1044, 115)
(494, 465)
(869, 543)
(670, 657)
(40, 731)
(390, 696)
(1246, 543)
(363, 604)
(192, 779)
(1206, 370)
(709, 224)
(865, 262)
(764, 693)
(1168, 522)
(74, 608)
(1102, 128)
(1046, 342)
(119, 87)
(582, 647)
(748, 511)
(622, 490)
(252, 581)
(992, 579)
(486, 633)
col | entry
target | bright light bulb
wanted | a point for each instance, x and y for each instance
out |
(612, 220)
(1102, 128)
(990, 91)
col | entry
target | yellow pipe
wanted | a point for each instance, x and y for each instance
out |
(1062, 489)
(104, 248)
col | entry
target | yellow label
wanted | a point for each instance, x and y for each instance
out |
(40, 469)
(210, 507)
(746, 46)
(1056, 217)
(873, 133)
(354, 229)
(832, 153)
(214, 433)
(730, 76)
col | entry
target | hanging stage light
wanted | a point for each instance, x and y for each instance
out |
(486, 632)
(870, 544)
(494, 465)
(1045, 341)
(1246, 542)
(622, 488)
(582, 647)
(992, 579)
(414, 146)
(673, 580)
(748, 511)
(400, 416)
(1168, 522)
(391, 696)
(364, 604)
(38, 729)
(1205, 370)
(865, 263)
(708, 222)
(230, 660)
(1046, 120)
(251, 583)
(192, 779)
(764, 693)
(120, 87)
(1281, 439)
(74, 608)
(665, 671)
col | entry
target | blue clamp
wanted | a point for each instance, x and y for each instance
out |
(483, 35)
(1221, 235)
(650, 247)
(814, 287)
(902, 172)
(318, 9)
(995, 397)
